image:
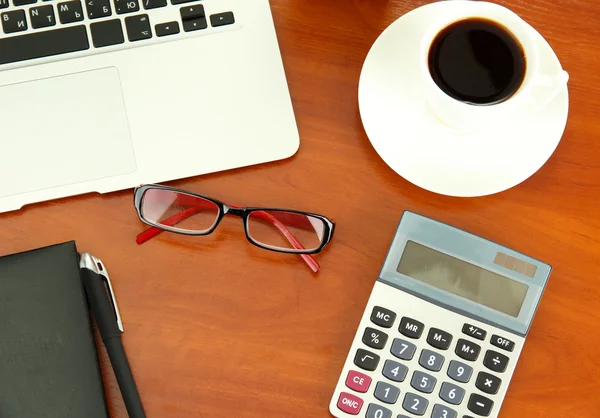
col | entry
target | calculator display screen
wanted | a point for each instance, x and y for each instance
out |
(462, 279)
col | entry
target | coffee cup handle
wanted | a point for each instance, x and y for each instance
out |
(545, 88)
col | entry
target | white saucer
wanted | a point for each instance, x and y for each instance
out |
(410, 139)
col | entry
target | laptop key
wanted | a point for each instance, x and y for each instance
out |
(42, 17)
(194, 24)
(98, 8)
(43, 44)
(153, 4)
(165, 29)
(138, 28)
(222, 19)
(3, 4)
(107, 33)
(23, 2)
(175, 2)
(127, 6)
(70, 11)
(192, 12)
(14, 21)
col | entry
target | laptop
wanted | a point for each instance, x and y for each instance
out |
(104, 95)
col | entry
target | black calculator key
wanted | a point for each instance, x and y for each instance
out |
(423, 382)
(138, 28)
(126, 6)
(451, 393)
(394, 371)
(42, 16)
(403, 349)
(441, 411)
(387, 393)
(70, 11)
(165, 29)
(222, 19)
(488, 383)
(43, 44)
(383, 317)
(154, 4)
(431, 360)
(23, 2)
(502, 343)
(480, 405)
(14, 21)
(415, 404)
(98, 8)
(467, 350)
(439, 339)
(192, 25)
(495, 361)
(3, 4)
(377, 411)
(192, 12)
(411, 328)
(374, 338)
(366, 360)
(107, 33)
(460, 371)
(473, 331)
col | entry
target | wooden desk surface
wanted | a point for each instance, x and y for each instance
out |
(216, 327)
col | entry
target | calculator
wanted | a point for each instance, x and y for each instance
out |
(443, 328)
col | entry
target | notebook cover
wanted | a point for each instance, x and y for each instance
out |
(48, 361)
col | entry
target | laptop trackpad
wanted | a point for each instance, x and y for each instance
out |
(63, 130)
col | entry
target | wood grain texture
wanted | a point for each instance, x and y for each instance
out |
(218, 328)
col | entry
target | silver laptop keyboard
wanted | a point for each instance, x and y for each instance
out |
(34, 29)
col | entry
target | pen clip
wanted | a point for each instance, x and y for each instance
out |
(99, 268)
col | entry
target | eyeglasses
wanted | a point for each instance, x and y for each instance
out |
(285, 231)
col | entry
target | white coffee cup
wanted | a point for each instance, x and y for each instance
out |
(536, 90)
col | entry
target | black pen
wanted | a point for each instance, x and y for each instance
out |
(106, 312)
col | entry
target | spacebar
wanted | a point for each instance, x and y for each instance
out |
(43, 44)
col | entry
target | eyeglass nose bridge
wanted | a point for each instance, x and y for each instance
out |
(233, 210)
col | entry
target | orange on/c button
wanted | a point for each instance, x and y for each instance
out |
(358, 381)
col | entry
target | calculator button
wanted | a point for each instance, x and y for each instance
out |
(374, 338)
(383, 317)
(423, 382)
(467, 350)
(460, 371)
(386, 392)
(480, 405)
(502, 343)
(366, 360)
(495, 361)
(451, 393)
(440, 411)
(376, 411)
(431, 360)
(415, 404)
(439, 339)
(403, 349)
(488, 383)
(473, 331)
(395, 371)
(349, 403)
(411, 328)
(358, 382)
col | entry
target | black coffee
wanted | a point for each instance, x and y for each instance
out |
(477, 61)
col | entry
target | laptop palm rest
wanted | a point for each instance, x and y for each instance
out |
(89, 140)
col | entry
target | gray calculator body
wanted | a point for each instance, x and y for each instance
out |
(443, 328)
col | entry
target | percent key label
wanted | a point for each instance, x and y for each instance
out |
(374, 338)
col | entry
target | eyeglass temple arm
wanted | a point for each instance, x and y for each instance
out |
(175, 219)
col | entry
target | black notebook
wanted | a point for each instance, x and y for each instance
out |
(48, 361)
